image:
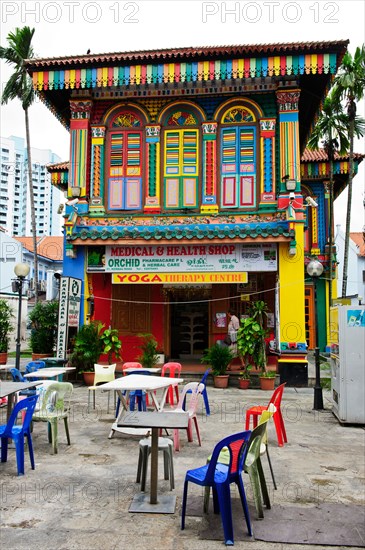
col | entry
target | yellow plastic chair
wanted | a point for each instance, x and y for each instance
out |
(54, 407)
(103, 374)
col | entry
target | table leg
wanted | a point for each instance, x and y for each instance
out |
(122, 410)
(154, 465)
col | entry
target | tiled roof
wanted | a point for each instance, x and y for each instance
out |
(359, 240)
(198, 231)
(191, 53)
(48, 247)
(320, 155)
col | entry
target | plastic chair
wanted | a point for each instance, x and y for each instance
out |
(131, 365)
(219, 477)
(255, 412)
(173, 370)
(103, 373)
(164, 445)
(18, 432)
(38, 363)
(18, 377)
(266, 415)
(31, 367)
(195, 389)
(205, 393)
(55, 406)
(138, 395)
(253, 467)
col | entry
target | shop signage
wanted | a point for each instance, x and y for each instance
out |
(179, 278)
(68, 312)
(191, 258)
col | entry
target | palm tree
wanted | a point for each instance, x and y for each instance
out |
(350, 84)
(331, 132)
(19, 86)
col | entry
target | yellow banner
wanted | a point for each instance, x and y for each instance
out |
(179, 278)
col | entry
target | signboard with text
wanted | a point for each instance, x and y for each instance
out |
(191, 258)
(68, 312)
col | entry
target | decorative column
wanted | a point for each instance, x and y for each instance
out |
(267, 150)
(153, 189)
(209, 157)
(80, 121)
(288, 101)
(97, 189)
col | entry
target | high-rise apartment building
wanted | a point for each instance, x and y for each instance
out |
(15, 211)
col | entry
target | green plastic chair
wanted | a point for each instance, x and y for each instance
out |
(266, 415)
(253, 468)
(55, 406)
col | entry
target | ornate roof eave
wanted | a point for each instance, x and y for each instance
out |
(339, 46)
(249, 232)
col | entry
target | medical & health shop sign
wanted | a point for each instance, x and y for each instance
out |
(190, 258)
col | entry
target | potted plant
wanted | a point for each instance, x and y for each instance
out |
(267, 380)
(149, 345)
(251, 339)
(112, 344)
(88, 347)
(6, 328)
(44, 322)
(244, 378)
(218, 357)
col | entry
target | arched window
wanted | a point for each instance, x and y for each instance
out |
(181, 138)
(125, 161)
(238, 156)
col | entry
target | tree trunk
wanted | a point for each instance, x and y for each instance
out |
(348, 213)
(32, 208)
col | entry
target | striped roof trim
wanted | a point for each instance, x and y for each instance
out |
(198, 231)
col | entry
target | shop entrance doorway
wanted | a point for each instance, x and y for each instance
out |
(189, 330)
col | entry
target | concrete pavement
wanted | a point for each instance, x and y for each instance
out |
(79, 499)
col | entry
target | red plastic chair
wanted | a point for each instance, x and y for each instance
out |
(275, 400)
(131, 365)
(172, 370)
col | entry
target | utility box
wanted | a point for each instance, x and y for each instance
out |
(348, 363)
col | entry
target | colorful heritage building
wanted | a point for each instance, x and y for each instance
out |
(186, 164)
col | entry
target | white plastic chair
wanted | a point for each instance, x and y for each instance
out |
(191, 392)
(103, 373)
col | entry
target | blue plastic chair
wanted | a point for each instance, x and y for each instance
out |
(39, 364)
(219, 477)
(31, 367)
(140, 395)
(18, 377)
(204, 393)
(18, 432)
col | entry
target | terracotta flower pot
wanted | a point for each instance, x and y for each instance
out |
(243, 383)
(267, 384)
(221, 381)
(3, 358)
(88, 378)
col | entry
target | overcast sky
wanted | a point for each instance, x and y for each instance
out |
(73, 27)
